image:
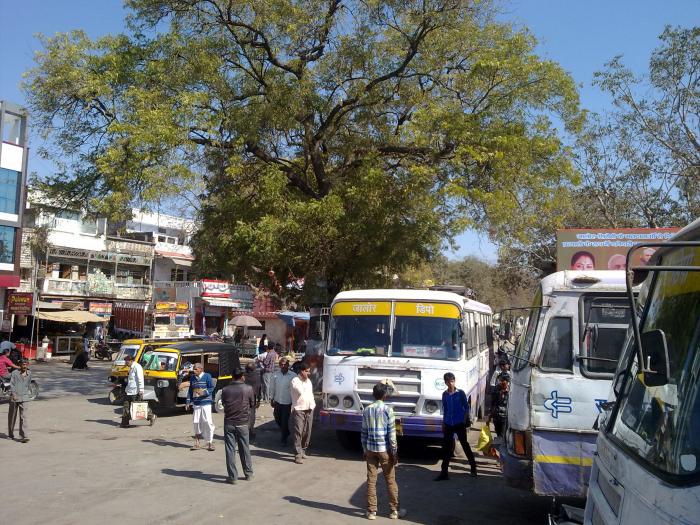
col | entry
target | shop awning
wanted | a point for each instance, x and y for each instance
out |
(225, 303)
(70, 316)
(180, 262)
(292, 317)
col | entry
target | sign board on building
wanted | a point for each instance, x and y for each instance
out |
(605, 249)
(213, 288)
(101, 309)
(164, 294)
(20, 303)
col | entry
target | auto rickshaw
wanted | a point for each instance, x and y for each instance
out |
(166, 387)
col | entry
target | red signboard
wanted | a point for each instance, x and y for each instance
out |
(20, 303)
(101, 309)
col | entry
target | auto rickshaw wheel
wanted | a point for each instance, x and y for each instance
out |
(218, 405)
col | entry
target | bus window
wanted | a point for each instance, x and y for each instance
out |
(527, 338)
(557, 350)
(605, 320)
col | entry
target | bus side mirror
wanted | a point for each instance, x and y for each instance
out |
(655, 350)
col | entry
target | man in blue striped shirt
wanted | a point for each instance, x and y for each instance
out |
(380, 450)
(455, 414)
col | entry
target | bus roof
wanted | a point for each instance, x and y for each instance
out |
(591, 280)
(411, 295)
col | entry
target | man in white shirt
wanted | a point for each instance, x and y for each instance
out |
(134, 388)
(281, 397)
(303, 405)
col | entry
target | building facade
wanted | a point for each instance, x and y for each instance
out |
(14, 153)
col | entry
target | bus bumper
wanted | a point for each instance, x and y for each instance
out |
(516, 471)
(414, 426)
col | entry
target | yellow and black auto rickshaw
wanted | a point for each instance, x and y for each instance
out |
(166, 370)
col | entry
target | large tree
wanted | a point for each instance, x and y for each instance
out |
(340, 141)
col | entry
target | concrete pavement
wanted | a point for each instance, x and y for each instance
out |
(80, 467)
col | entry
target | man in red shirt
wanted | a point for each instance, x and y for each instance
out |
(5, 365)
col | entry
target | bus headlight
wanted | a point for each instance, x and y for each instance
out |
(431, 407)
(348, 402)
(162, 383)
(333, 401)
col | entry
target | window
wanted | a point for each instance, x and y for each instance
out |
(178, 274)
(605, 321)
(557, 350)
(359, 334)
(7, 244)
(426, 337)
(9, 191)
(527, 338)
(165, 361)
(12, 129)
(660, 425)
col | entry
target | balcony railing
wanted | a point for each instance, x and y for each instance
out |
(140, 292)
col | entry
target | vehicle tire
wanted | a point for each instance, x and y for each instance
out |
(116, 396)
(348, 439)
(217, 406)
(33, 390)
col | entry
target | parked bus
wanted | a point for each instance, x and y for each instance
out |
(647, 467)
(561, 373)
(411, 337)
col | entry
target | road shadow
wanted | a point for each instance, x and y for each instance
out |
(165, 443)
(100, 401)
(270, 454)
(109, 422)
(349, 511)
(195, 474)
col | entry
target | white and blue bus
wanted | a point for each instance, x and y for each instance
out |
(647, 467)
(411, 337)
(561, 373)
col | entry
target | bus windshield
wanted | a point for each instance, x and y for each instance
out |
(426, 337)
(661, 424)
(361, 334)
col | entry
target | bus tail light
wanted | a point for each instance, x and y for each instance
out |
(519, 443)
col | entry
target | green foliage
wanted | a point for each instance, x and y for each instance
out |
(342, 142)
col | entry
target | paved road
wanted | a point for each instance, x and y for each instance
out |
(80, 467)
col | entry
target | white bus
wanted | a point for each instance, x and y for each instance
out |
(647, 467)
(411, 337)
(561, 373)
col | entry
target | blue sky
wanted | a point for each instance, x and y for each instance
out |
(579, 34)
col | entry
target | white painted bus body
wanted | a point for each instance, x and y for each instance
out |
(411, 337)
(556, 389)
(647, 467)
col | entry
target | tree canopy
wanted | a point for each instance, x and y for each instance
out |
(339, 141)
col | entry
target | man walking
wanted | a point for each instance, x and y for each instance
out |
(199, 398)
(252, 378)
(238, 400)
(268, 367)
(281, 397)
(380, 449)
(134, 388)
(455, 410)
(303, 405)
(20, 380)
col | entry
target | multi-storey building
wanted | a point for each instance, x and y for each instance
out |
(14, 153)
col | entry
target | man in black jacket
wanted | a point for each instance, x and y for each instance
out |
(238, 400)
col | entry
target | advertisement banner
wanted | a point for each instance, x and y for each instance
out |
(101, 309)
(213, 288)
(606, 249)
(20, 303)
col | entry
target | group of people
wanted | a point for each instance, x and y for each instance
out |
(291, 397)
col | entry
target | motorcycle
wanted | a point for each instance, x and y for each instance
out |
(5, 389)
(103, 351)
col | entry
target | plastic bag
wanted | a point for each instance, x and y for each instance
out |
(139, 410)
(485, 440)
